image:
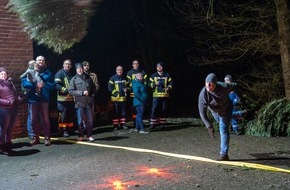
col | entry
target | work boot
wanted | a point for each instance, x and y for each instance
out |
(152, 127)
(116, 127)
(65, 134)
(223, 157)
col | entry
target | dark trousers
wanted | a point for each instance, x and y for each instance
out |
(119, 115)
(159, 108)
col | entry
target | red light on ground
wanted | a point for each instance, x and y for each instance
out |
(118, 185)
(153, 171)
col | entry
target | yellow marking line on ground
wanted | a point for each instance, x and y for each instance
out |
(189, 157)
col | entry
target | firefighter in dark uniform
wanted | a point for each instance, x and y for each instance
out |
(117, 86)
(130, 77)
(65, 102)
(161, 84)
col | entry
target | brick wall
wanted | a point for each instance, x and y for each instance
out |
(16, 50)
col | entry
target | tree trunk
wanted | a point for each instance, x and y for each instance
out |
(283, 22)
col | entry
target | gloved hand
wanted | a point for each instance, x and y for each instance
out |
(211, 132)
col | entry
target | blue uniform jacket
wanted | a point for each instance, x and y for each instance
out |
(49, 85)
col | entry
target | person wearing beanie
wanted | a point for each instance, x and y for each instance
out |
(9, 101)
(82, 88)
(65, 102)
(237, 113)
(215, 96)
(131, 75)
(161, 84)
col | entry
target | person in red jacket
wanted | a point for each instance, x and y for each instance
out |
(9, 101)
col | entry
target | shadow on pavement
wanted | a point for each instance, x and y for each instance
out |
(172, 127)
(24, 152)
(112, 138)
(269, 159)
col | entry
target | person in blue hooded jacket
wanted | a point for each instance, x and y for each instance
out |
(139, 101)
(40, 104)
(237, 113)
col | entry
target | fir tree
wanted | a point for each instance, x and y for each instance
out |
(58, 24)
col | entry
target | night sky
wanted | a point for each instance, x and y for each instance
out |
(118, 33)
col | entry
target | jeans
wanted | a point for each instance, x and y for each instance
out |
(7, 121)
(223, 121)
(85, 115)
(40, 118)
(139, 118)
(28, 122)
(234, 121)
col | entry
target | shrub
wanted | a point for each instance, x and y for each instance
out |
(273, 120)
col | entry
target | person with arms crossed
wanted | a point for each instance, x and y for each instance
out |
(83, 89)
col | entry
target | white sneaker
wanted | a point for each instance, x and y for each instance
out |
(91, 139)
(144, 132)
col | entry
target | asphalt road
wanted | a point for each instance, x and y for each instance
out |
(178, 157)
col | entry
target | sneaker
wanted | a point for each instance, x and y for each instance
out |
(91, 139)
(223, 157)
(65, 134)
(80, 138)
(144, 132)
(47, 142)
(124, 127)
(34, 141)
(136, 130)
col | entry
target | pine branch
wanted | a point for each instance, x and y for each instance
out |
(58, 24)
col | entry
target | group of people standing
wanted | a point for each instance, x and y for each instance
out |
(135, 86)
(76, 96)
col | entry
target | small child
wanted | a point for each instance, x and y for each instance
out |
(32, 74)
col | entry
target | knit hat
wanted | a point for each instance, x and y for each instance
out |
(78, 65)
(228, 78)
(2, 69)
(211, 78)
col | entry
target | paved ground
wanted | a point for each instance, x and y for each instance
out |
(109, 163)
